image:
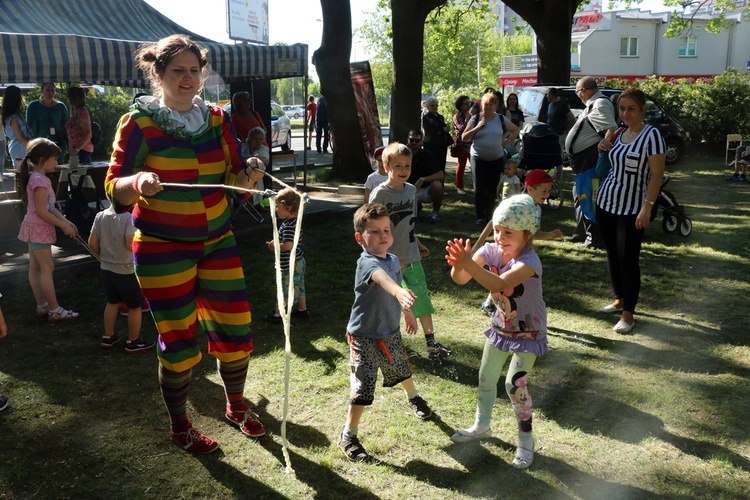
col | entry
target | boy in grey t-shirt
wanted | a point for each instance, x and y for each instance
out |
(112, 239)
(373, 332)
(399, 197)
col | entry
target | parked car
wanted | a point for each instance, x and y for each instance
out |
(281, 127)
(533, 102)
(295, 112)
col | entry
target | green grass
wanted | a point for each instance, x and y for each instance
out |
(659, 413)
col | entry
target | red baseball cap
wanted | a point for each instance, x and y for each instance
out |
(378, 151)
(537, 176)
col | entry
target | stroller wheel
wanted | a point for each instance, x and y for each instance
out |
(669, 224)
(555, 200)
(686, 227)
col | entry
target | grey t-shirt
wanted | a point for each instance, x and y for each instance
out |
(112, 229)
(402, 208)
(375, 312)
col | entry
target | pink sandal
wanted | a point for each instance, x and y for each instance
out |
(61, 314)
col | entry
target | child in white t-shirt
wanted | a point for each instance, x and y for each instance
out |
(378, 177)
(509, 184)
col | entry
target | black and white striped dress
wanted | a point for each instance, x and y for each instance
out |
(623, 190)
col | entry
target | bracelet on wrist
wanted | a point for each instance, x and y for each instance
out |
(649, 202)
(134, 184)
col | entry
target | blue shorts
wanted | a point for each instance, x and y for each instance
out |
(298, 278)
(40, 246)
(414, 280)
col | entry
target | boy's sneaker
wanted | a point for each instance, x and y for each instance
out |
(246, 419)
(272, 318)
(4, 402)
(296, 313)
(471, 434)
(434, 218)
(194, 441)
(438, 351)
(109, 342)
(353, 449)
(420, 407)
(743, 178)
(139, 344)
(734, 177)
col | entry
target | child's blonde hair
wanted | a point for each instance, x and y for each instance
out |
(289, 199)
(37, 150)
(395, 149)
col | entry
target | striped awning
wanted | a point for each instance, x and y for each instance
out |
(61, 45)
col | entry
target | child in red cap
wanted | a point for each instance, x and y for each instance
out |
(538, 184)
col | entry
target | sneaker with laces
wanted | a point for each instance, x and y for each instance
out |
(109, 341)
(194, 441)
(420, 407)
(434, 218)
(471, 434)
(438, 351)
(734, 177)
(139, 344)
(353, 449)
(246, 419)
(296, 313)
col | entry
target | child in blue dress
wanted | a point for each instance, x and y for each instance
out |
(519, 323)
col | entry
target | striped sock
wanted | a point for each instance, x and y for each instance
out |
(233, 375)
(174, 390)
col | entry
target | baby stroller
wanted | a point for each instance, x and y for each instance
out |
(675, 218)
(540, 148)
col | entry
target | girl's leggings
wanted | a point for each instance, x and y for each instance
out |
(516, 384)
(191, 283)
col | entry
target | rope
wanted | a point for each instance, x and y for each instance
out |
(285, 309)
(85, 245)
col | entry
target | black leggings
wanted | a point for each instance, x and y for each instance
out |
(488, 175)
(623, 244)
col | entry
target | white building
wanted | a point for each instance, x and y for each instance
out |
(631, 45)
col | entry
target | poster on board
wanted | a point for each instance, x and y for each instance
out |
(248, 20)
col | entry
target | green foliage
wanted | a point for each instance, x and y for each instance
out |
(288, 90)
(707, 110)
(454, 35)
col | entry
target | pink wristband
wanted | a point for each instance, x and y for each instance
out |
(134, 184)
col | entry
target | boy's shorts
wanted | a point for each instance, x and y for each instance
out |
(366, 355)
(122, 288)
(299, 279)
(423, 195)
(414, 280)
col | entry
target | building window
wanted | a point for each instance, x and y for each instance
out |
(629, 46)
(687, 46)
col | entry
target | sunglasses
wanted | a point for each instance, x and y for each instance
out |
(414, 139)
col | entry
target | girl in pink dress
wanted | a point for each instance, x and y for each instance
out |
(38, 226)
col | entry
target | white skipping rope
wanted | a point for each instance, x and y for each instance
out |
(285, 308)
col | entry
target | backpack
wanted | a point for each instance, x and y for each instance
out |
(96, 133)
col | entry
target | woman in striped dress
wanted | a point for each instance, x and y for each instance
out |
(625, 200)
(186, 257)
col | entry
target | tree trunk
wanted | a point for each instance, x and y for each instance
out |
(552, 21)
(331, 61)
(409, 17)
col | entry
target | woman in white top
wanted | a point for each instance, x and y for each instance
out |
(626, 199)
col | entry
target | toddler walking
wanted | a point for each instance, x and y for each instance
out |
(287, 206)
(373, 332)
(519, 323)
(509, 184)
(112, 239)
(38, 226)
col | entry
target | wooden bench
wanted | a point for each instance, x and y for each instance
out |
(287, 155)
